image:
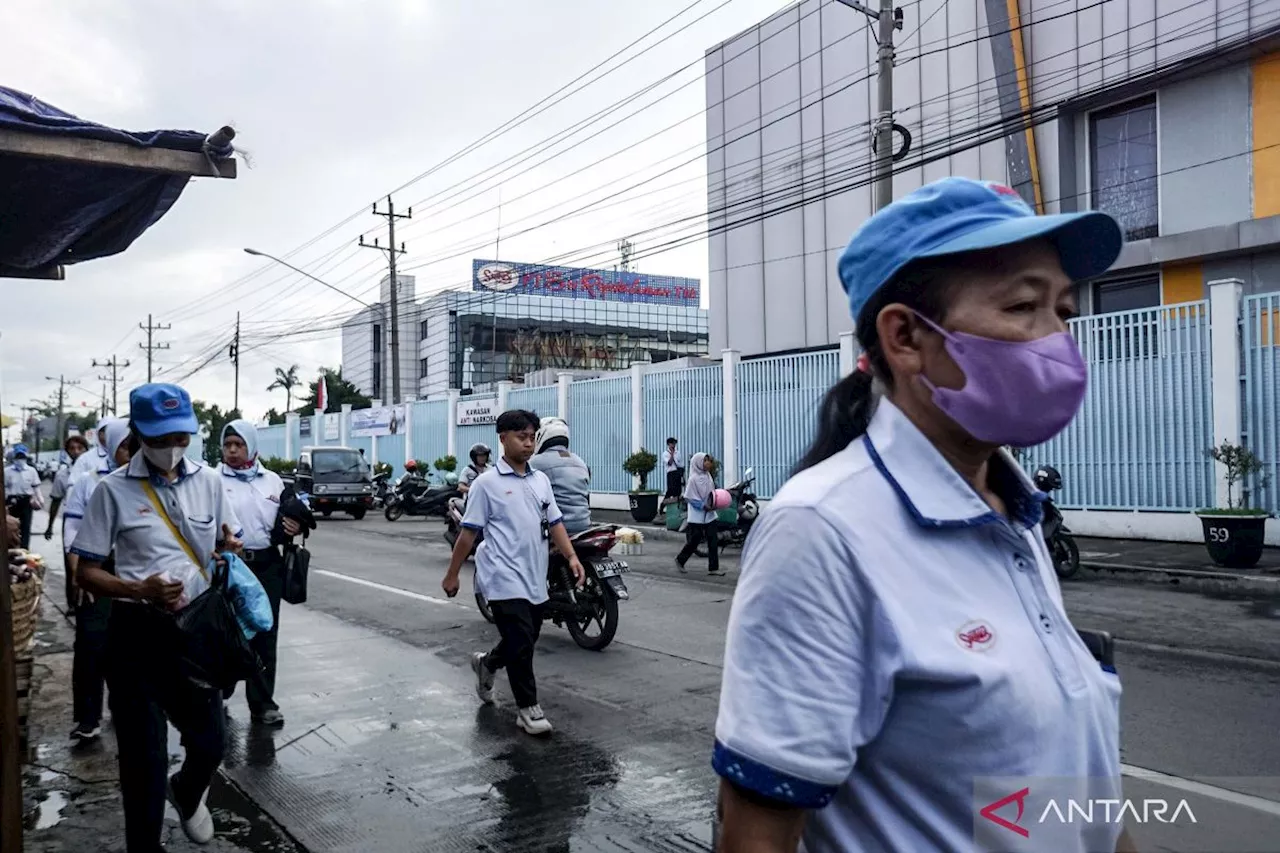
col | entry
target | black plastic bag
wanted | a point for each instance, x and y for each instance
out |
(297, 560)
(213, 651)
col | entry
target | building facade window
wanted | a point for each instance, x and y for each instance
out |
(1126, 294)
(1124, 173)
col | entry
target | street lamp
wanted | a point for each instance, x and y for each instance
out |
(258, 254)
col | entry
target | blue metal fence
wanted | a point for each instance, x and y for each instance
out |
(1140, 438)
(430, 430)
(391, 450)
(778, 400)
(469, 435)
(687, 405)
(362, 442)
(600, 417)
(543, 400)
(1260, 397)
(271, 441)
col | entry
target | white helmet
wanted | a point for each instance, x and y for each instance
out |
(551, 428)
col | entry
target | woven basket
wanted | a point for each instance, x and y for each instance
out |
(26, 611)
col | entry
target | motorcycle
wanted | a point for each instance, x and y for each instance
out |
(1062, 546)
(418, 496)
(748, 506)
(381, 489)
(453, 525)
(596, 603)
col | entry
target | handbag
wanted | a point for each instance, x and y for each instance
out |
(297, 560)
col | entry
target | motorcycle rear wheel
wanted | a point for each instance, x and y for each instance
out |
(1066, 556)
(605, 616)
(393, 512)
(482, 604)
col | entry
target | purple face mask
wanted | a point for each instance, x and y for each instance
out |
(1016, 393)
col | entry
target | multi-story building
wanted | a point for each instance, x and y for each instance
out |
(524, 318)
(1164, 113)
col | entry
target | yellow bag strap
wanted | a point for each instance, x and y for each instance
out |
(173, 528)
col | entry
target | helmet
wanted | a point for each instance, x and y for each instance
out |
(551, 428)
(1047, 479)
(411, 465)
(451, 478)
(480, 448)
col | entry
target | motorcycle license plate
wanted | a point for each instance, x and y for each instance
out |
(611, 569)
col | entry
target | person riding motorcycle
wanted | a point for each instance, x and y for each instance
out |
(570, 476)
(479, 464)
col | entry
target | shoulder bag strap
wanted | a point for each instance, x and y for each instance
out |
(173, 528)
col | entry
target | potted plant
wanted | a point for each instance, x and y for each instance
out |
(1234, 535)
(644, 501)
(447, 464)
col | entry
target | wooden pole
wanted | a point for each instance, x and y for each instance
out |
(10, 760)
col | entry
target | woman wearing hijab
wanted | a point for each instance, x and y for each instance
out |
(164, 517)
(900, 673)
(93, 613)
(254, 494)
(702, 516)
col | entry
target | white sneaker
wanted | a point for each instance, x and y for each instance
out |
(533, 721)
(484, 678)
(198, 827)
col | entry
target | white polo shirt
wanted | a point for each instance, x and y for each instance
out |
(511, 562)
(893, 641)
(255, 501)
(21, 483)
(82, 487)
(120, 517)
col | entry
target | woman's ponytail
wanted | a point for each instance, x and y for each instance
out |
(843, 417)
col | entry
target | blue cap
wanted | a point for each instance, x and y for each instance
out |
(159, 408)
(955, 215)
(21, 450)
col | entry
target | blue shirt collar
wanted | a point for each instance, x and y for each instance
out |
(932, 491)
(504, 468)
(139, 470)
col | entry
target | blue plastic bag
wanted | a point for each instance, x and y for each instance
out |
(253, 608)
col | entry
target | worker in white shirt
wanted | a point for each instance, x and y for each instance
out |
(93, 613)
(254, 494)
(75, 446)
(88, 463)
(22, 492)
(673, 465)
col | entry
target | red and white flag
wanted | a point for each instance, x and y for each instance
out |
(322, 395)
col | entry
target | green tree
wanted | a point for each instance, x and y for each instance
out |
(273, 417)
(288, 380)
(215, 419)
(340, 392)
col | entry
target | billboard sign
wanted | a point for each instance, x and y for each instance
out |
(477, 412)
(304, 427)
(382, 420)
(576, 283)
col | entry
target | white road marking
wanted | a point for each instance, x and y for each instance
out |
(1177, 782)
(1191, 786)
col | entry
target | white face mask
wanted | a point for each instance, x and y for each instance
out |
(164, 458)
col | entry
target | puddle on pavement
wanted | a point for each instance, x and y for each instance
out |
(242, 823)
(48, 812)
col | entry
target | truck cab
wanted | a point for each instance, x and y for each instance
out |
(335, 478)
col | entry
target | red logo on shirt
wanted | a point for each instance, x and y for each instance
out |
(144, 510)
(989, 812)
(976, 636)
(1003, 190)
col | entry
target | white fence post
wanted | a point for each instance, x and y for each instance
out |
(453, 422)
(344, 425)
(637, 406)
(563, 381)
(1224, 368)
(290, 422)
(730, 371)
(373, 451)
(504, 394)
(408, 431)
(848, 354)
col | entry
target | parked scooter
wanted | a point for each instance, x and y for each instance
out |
(1062, 547)
(453, 525)
(381, 488)
(590, 613)
(419, 496)
(748, 510)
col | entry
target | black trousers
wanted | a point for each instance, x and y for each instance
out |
(147, 693)
(260, 691)
(675, 483)
(519, 624)
(702, 533)
(88, 666)
(20, 508)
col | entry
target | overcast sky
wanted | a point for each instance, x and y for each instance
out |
(338, 102)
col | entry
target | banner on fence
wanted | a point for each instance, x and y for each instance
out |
(304, 427)
(383, 420)
(477, 412)
(332, 426)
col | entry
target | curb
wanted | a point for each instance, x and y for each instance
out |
(1197, 578)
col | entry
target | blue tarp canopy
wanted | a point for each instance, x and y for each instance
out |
(72, 190)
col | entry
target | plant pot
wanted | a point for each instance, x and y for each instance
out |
(1234, 540)
(644, 506)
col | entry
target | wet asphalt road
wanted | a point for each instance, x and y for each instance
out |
(386, 747)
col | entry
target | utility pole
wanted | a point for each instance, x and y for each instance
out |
(104, 399)
(234, 352)
(392, 250)
(890, 19)
(62, 387)
(149, 346)
(115, 364)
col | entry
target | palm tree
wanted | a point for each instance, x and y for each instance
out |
(288, 380)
